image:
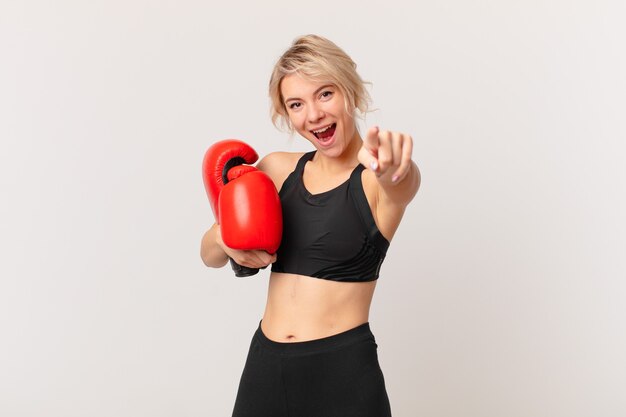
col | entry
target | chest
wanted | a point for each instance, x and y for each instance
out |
(327, 223)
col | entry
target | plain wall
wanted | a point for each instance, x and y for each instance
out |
(502, 293)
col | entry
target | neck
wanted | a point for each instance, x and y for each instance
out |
(348, 158)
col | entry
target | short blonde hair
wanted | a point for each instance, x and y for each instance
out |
(318, 59)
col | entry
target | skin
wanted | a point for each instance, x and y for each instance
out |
(301, 308)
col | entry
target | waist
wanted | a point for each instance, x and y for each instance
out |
(350, 336)
(301, 308)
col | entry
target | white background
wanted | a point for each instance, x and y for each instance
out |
(502, 293)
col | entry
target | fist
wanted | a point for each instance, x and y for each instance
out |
(386, 153)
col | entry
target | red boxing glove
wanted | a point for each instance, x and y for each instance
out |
(218, 160)
(244, 200)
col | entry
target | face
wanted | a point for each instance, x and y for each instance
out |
(317, 112)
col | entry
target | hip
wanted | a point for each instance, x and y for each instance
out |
(337, 375)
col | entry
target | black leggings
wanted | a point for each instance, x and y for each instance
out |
(336, 376)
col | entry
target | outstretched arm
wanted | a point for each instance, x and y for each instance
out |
(392, 177)
(388, 155)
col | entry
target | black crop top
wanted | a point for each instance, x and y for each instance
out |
(330, 235)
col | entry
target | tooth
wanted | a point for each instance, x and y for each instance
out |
(322, 130)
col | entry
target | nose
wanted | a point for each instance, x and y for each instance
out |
(315, 113)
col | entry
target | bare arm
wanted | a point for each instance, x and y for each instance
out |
(211, 252)
(392, 178)
(401, 193)
(215, 253)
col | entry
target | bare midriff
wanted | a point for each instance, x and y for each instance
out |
(301, 308)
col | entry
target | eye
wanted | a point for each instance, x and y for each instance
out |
(295, 105)
(326, 94)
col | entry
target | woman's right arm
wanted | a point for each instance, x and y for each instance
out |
(210, 251)
(215, 253)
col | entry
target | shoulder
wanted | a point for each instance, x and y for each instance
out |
(278, 165)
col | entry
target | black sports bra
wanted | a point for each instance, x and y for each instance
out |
(330, 235)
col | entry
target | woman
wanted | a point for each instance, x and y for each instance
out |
(313, 353)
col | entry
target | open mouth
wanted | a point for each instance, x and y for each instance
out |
(325, 133)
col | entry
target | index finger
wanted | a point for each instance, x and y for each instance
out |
(371, 142)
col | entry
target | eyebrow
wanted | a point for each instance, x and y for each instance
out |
(314, 93)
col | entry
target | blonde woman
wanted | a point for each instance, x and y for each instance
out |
(313, 353)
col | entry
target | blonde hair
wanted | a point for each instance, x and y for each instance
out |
(318, 59)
